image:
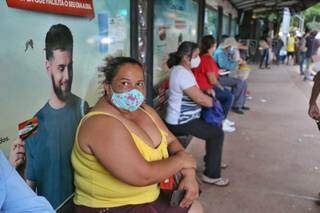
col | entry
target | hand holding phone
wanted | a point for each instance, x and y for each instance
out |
(177, 197)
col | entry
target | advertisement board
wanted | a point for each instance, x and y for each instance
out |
(175, 21)
(34, 83)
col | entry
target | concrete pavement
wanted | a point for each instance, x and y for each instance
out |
(274, 155)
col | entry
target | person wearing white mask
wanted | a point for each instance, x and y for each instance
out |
(184, 109)
(238, 87)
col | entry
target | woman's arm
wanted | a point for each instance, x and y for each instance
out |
(198, 96)
(213, 80)
(118, 154)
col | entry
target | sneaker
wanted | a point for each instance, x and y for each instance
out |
(227, 128)
(228, 122)
(215, 181)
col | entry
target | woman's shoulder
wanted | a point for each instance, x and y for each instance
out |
(206, 57)
(149, 110)
(101, 117)
(177, 72)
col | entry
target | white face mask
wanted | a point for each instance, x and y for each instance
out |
(195, 62)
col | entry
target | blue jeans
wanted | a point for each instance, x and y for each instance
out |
(264, 57)
(302, 57)
(238, 89)
(225, 97)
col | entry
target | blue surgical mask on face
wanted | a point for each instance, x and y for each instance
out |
(130, 100)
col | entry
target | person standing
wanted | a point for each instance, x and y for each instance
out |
(291, 49)
(302, 49)
(278, 44)
(264, 50)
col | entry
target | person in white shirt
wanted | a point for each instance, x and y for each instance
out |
(184, 109)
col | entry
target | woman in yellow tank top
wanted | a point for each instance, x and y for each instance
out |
(123, 150)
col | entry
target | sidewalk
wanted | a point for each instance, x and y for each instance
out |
(274, 155)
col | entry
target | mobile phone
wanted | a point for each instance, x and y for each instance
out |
(224, 73)
(27, 128)
(177, 196)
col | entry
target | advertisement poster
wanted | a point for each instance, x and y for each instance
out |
(210, 22)
(174, 21)
(28, 78)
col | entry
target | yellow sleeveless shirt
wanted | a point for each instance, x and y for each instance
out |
(97, 188)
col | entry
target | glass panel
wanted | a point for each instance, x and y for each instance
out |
(142, 31)
(175, 21)
(225, 25)
(233, 27)
(22, 57)
(210, 22)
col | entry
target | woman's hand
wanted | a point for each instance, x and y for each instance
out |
(191, 186)
(221, 71)
(186, 159)
(210, 92)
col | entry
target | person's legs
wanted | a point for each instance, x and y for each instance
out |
(277, 57)
(214, 141)
(302, 57)
(242, 97)
(288, 57)
(266, 57)
(238, 89)
(263, 55)
(225, 97)
(306, 73)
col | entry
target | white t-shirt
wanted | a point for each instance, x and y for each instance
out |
(181, 109)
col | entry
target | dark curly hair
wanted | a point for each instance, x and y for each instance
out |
(112, 65)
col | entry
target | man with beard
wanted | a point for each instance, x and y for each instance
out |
(48, 151)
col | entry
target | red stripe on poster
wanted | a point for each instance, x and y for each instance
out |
(70, 7)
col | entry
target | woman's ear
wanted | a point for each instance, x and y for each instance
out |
(186, 59)
(107, 89)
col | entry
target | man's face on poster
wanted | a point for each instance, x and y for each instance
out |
(60, 69)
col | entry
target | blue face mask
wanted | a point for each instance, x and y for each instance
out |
(129, 101)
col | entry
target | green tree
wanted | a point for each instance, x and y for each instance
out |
(312, 17)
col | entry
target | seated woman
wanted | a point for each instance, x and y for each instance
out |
(123, 150)
(207, 75)
(184, 108)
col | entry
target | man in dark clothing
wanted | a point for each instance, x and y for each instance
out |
(312, 45)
